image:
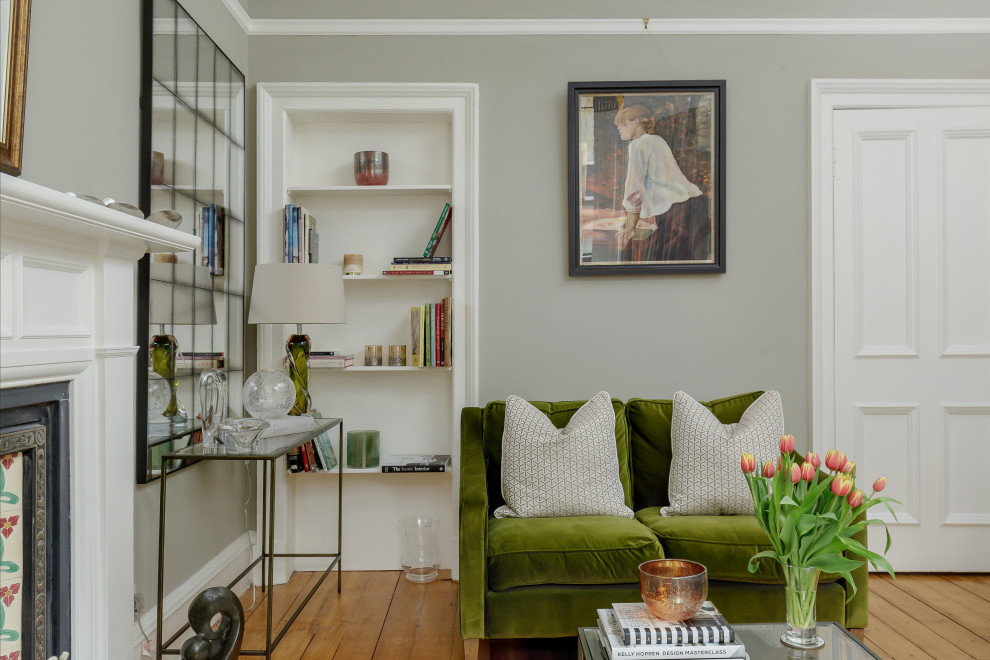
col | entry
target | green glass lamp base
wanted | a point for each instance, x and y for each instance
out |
(297, 349)
(164, 349)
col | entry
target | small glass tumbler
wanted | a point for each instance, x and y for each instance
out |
(373, 356)
(397, 355)
(353, 264)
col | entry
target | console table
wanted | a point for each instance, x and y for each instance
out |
(269, 450)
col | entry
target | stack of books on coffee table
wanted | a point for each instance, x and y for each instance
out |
(628, 631)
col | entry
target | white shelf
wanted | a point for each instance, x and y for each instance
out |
(370, 190)
(374, 470)
(394, 278)
(313, 369)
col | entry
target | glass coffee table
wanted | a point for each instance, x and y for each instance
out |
(762, 641)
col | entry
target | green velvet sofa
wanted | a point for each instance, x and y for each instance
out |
(545, 577)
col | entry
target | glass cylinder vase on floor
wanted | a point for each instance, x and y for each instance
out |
(297, 350)
(800, 590)
(163, 349)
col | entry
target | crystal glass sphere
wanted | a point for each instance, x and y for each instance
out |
(242, 433)
(269, 394)
(158, 394)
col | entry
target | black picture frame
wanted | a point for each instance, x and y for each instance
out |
(654, 147)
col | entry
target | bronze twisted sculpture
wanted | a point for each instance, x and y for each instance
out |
(223, 643)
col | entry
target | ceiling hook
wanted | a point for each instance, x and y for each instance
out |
(646, 23)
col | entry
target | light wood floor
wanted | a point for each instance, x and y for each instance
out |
(381, 616)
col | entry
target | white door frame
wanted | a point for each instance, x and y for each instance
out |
(827, 96)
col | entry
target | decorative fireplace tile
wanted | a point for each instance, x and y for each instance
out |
(11, 596)
(11, 554)
(11, 481)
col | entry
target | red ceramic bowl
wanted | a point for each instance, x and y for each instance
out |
(371, 168)
(673, 589)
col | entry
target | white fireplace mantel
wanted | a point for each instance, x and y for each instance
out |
(68, 289)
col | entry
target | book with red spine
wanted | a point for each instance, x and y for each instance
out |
(431, 245)
(438, 234)
(314, 456)
(447, 313)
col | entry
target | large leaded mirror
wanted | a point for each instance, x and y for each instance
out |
(191, 311)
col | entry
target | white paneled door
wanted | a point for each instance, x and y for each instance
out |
(911, 312)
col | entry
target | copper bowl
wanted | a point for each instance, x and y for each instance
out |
(673, 589)
(371, 168)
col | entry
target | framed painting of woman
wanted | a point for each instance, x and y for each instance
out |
(646, 177)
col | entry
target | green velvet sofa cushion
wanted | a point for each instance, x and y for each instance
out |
(649, 437)
(576, 550)
(723, 544)
(559, 412)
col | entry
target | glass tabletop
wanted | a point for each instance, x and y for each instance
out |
(267, 448)
(762, 641)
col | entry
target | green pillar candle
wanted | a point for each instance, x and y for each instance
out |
(363, 449)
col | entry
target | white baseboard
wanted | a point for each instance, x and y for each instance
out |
(218, 571)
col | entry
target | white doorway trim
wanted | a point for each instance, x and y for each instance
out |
(827, 96)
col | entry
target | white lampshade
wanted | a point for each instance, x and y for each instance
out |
(297, 293)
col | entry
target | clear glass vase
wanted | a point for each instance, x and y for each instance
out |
(421, 547)
(800, 589)
(213, 396)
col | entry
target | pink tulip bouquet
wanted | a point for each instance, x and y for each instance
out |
(811, 518)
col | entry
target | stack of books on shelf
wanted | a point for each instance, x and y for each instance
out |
(212, 229)
(629, 631)
(403, 266)
(430, 325)
(301, 241)
(429, 263)
(317, 455)
(330, 360)
(416, 463)
(197, 361)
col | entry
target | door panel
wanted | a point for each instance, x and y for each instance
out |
(911, 310)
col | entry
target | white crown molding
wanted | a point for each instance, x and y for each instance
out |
(585, 26)
(237, 11)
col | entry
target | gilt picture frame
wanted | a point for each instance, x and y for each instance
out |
(646, 177)
(15, 16)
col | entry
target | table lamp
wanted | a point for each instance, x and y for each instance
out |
(173, 299)
(298, 293)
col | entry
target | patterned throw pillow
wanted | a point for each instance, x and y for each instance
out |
(705, 479)
(549, 472)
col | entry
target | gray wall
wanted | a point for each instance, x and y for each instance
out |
(545, 335)
(81, 134)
